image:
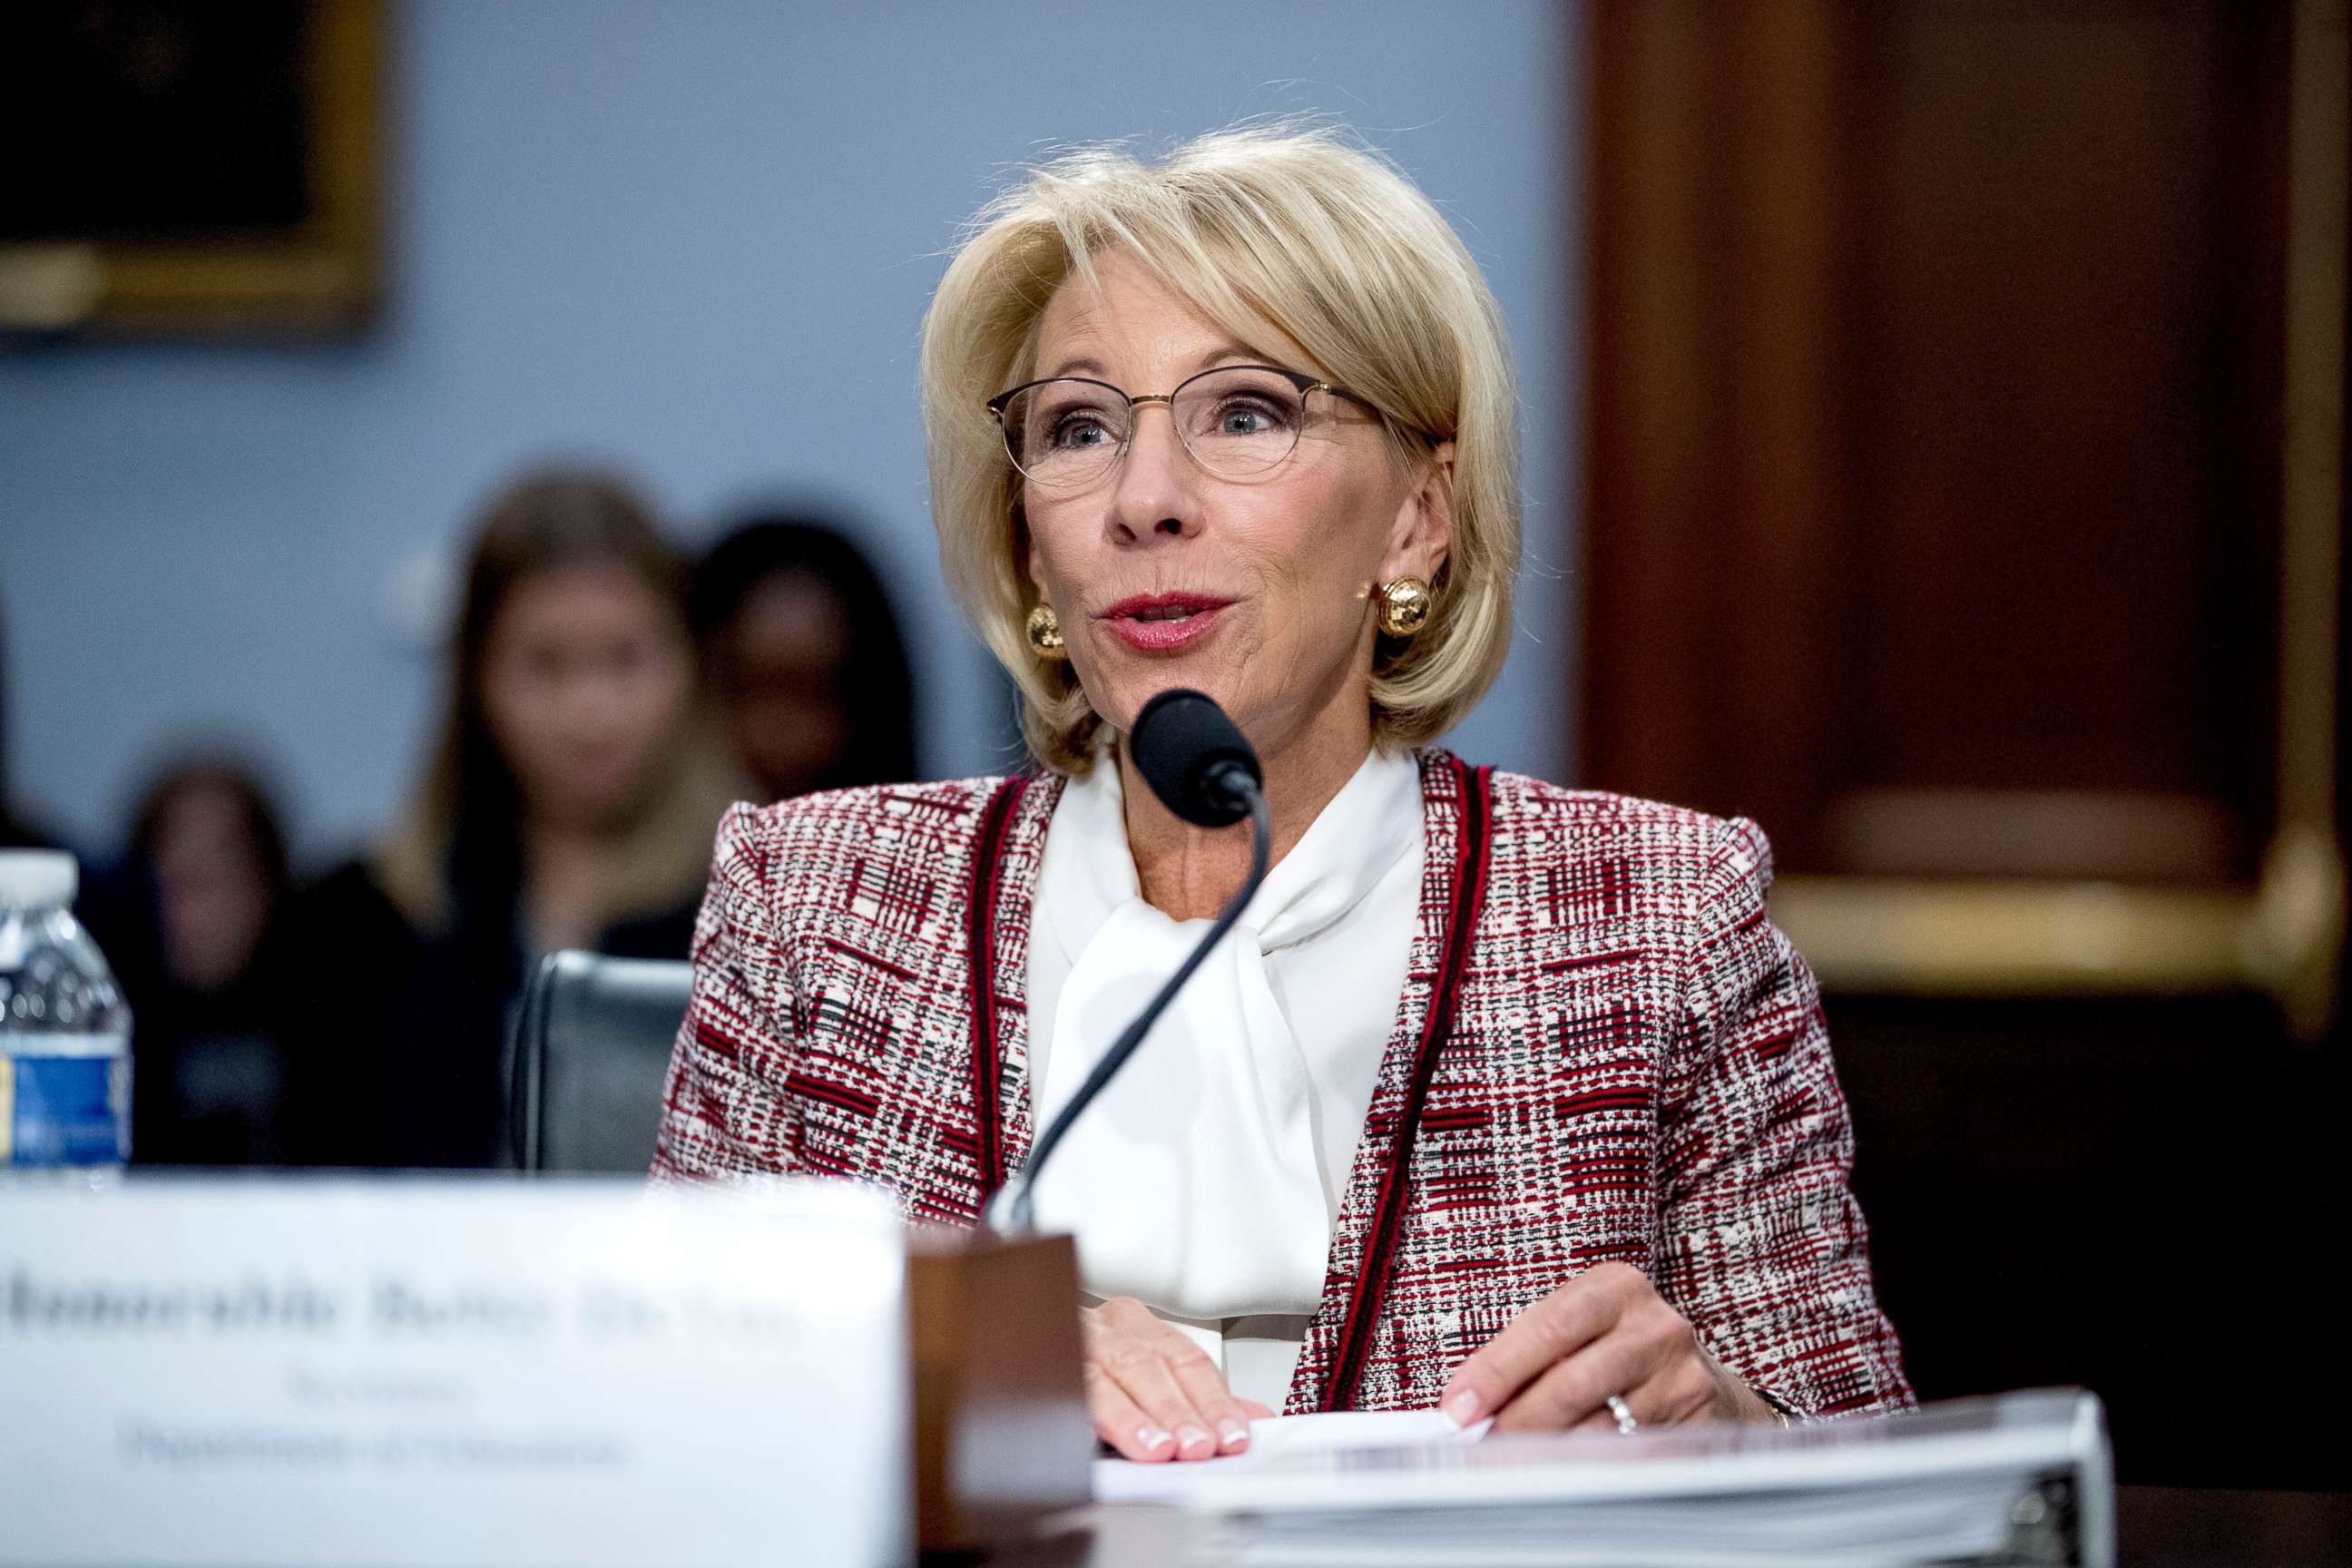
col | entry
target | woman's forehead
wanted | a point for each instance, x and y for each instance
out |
(571, 595)
(1122, 312)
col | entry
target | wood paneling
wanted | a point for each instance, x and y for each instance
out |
(1935, 430)
(1965, 471)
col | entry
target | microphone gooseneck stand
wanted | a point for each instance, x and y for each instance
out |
(1215, 789)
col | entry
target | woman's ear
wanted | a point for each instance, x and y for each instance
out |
(1423, 535)
(1024, 548)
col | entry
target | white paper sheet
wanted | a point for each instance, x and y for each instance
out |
(2023, 1474)
(1278, 1437)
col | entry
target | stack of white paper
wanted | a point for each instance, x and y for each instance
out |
(2020, 1477)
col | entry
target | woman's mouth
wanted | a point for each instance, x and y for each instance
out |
(1155, 623)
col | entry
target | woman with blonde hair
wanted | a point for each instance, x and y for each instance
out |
(567, 800)
(1501, 1098)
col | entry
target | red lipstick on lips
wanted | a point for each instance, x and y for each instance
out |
(1155, 623)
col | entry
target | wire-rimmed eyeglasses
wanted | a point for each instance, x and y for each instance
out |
(1238, 421)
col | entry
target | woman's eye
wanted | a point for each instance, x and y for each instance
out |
(1079, 430)
(1251, 418)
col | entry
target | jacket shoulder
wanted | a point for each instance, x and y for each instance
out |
(1675, 841)
(826, 809)
(922, 829)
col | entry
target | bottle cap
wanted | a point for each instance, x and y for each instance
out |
(37, 879)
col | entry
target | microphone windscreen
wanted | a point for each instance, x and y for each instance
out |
(1182, 745)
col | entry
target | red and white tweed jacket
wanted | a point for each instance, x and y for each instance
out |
(1604, 1050)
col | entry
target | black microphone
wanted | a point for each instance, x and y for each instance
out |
(1197, 762)
(1194, 758)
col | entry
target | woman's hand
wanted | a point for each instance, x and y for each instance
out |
(1153, 1394)
(1604, 1332)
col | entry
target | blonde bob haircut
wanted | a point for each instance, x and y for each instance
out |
(1274, 233)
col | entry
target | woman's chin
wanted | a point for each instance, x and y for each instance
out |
(597, 812)
(1135, 687)
(1135, 676)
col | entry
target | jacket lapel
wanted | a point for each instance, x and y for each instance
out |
(1349, 1303)
(1005, 888)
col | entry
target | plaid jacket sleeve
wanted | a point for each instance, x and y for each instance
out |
(723, 1110)
(1763, 1247)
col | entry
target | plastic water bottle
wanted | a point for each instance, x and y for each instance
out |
(65, 1030)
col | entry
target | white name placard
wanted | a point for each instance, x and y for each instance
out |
(418, 1372)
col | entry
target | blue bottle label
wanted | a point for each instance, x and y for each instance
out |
(64, 1110)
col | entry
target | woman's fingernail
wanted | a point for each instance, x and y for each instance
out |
(1461, 1407)
(1154, 1439)
(1191, 1438)
(1236, 1433)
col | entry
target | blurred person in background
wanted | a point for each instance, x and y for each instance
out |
(569, 803)
(804, 659)
(200, 951)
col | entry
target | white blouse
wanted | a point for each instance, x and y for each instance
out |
(1204, 1180)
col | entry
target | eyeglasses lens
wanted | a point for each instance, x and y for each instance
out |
(1065, 435)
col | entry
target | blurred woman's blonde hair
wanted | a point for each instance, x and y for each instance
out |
(1271, 232)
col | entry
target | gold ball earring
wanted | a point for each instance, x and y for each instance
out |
(1044, 630)
(1405, 604)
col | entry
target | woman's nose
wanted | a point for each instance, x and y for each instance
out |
(1157, 493)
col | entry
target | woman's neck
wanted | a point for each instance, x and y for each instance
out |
(1188, 872)
(563, 884)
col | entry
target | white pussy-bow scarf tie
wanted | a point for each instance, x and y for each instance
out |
(1194, 1183)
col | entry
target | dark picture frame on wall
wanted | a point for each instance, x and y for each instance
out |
(192, 169)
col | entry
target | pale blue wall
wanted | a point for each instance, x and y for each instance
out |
(694, 238)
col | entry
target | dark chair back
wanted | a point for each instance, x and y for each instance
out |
(591, 1054)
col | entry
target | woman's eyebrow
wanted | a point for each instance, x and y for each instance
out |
(1222, 353)
(1232, 351)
